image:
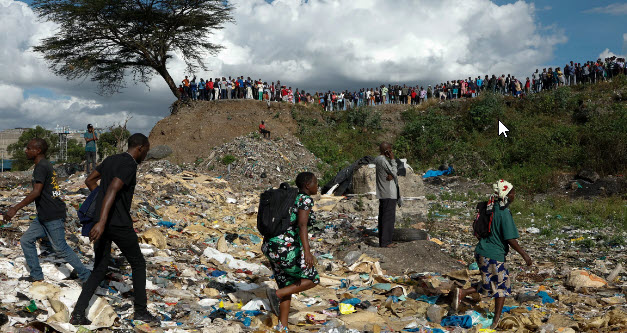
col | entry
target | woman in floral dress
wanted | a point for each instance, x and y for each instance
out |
(289, 254)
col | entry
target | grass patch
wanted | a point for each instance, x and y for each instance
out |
(552, 214)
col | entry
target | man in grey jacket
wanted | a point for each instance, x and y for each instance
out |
(387, 193)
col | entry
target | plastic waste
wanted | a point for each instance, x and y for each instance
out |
(435, 313)
(346, 308)
(352, 257)
(31, 307)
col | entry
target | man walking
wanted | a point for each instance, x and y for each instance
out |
(117, 175)
(50, 220)
(387, 193)
(90, 149)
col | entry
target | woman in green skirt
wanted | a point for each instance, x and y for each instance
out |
(289, 254)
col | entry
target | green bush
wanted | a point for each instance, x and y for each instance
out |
(485, 111)
(228, 159)
(364, 117)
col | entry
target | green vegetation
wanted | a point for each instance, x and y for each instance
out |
(113, 141)
(228, 159)
(75, 152)
(338, 138)
(554, 213)
(550, 133)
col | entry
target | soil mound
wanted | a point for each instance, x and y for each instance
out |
(196, 129)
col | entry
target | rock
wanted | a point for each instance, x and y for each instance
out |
(154, 237)
(588, 175)
(159, 152)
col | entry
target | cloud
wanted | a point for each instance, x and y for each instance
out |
(607, 54)
(612, 9)
(312, 45)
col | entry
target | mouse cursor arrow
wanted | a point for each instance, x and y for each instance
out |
(502, 129)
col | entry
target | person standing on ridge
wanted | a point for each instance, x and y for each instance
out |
(90, 149)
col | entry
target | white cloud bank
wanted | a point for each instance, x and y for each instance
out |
(612, 9)
(314, 45)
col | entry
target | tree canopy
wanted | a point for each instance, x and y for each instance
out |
(109, 39)
(20, 162)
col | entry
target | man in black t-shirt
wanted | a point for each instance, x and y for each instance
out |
(117, 175)
(50, 221)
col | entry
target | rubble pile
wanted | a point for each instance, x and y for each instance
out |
(252, 163)
(206, 272)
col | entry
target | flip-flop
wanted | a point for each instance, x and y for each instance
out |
(274, 301)
(456, 300)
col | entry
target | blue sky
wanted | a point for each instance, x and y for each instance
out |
(587, 31)
(314, 46)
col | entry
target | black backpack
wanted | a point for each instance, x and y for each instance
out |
(482, 226)
(273, 217)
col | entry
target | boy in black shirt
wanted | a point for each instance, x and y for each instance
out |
(50, 221)
(117, 175)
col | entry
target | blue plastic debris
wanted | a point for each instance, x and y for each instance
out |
(428, 299)
(545, 297)
(351, 301)
(217, 273)
(166, 224)
(457, 321)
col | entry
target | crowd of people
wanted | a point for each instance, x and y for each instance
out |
(550, 78)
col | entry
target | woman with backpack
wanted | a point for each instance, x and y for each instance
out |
(492, 250)
(289, 253)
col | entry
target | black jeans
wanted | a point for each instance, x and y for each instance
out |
(387, 217)
(126, 239)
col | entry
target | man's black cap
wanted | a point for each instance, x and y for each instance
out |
(89, 126)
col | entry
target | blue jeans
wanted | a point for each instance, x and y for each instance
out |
(55, 231)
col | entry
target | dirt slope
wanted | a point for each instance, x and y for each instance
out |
(195, 130)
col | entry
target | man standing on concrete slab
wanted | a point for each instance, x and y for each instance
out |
(50, 221)
(90, 149)
(118, 177)
(387, 193)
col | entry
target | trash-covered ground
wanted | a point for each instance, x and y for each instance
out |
(206, 272)
(251, 163)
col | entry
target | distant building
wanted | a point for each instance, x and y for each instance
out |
(8, 137)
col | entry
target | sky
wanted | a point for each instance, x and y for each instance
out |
(320, 45)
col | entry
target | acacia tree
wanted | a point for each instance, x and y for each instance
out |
(108, 39)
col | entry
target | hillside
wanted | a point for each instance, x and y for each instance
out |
(195, 130)
(553, 135)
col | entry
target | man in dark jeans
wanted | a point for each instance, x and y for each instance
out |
(387, 193)
(117, 175)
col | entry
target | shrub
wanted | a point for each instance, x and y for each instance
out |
(364, 117)
(228, 159)
(485, 111)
